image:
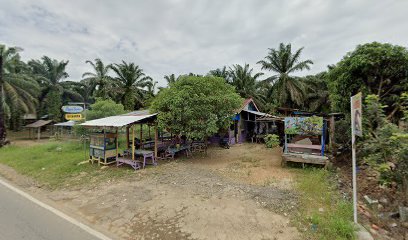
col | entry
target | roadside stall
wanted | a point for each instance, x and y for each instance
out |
(104, 145)
(64, 127)
(305, 140)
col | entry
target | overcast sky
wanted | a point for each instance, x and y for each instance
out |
(177, 36)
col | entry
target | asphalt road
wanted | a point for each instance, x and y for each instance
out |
(21, 218)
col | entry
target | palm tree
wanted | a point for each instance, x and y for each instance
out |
(170, 79)
(289, 90)
(99, 78)
(317, 93)
(220, 72)
(85, 88)
(245, 82)
(129, 84)
(2, 122)
(151, 87)
(18, 91)
(50, 74)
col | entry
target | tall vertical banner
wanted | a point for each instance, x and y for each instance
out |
(356, 129)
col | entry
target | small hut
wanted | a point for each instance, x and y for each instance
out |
(37, 126)
(245, 126)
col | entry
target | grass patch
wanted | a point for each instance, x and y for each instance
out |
(324, 213)
(253, 162)
(55, 164)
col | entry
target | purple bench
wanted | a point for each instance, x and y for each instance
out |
(134, 164)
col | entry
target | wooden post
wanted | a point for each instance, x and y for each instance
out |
(156, 136)
(39, 133)
(267, 127)
(133, 143)
(331, 134)
(149, 133)
(141, 136)
(117, 144)
(239, 131)
(104, 147)
(127, 137)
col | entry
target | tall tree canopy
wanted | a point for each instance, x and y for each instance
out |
(374, 68)
(19, 89)
(220, 72)
(196, 106)
(50, 73)
(129, 83)
(287, 89)
(317, 93)
(170, 79)
(245, 81)
(99, 79)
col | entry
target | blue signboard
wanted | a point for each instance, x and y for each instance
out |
(72, 109)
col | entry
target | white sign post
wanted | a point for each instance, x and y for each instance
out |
(356, 129)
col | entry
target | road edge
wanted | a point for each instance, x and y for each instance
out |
(55, 211)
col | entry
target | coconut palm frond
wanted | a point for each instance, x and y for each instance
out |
(289, 90)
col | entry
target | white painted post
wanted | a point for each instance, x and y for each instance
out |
(353, 144)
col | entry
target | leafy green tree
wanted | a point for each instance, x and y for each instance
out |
(50, 74)
(104, 108)
(374, 68)
(196, 106)
(99, 79)
(129, 83)
(385, 144)
(19, 89)
(289, 91)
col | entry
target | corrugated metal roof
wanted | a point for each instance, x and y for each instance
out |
(245, 104)
(257, 113)
(70, 123)
(116, 121)
(39, 123)
(137, 113)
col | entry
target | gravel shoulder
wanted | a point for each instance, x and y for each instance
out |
(239, 193)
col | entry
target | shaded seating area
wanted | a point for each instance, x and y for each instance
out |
(141, 148)
(107, 151)
(64, 128)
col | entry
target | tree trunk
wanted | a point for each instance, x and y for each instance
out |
(2, 124)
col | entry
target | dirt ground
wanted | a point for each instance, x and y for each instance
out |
(237, 193)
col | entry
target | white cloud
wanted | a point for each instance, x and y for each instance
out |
(182, 36)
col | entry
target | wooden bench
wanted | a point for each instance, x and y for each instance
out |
(305, 146)
(304, 158)
(300, 147)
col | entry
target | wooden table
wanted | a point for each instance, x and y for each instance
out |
(146, 154)
(171, 151)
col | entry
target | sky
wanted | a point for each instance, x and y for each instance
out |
(183, 36)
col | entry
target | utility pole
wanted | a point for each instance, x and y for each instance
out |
(2, 122)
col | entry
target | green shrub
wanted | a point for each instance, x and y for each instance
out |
(271, 140)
